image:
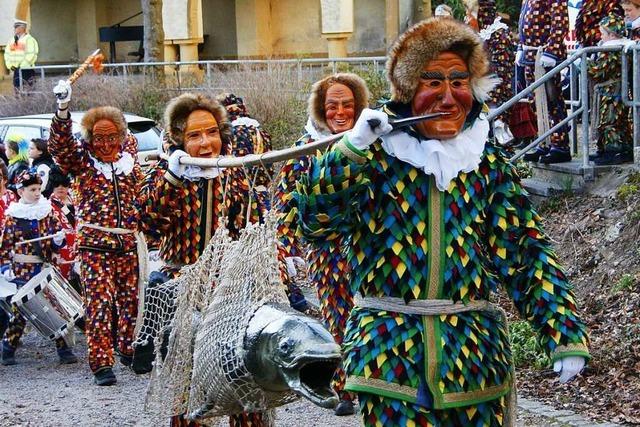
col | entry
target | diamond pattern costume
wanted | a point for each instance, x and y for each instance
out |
(588, 19)
(108, 213)
(414, 242)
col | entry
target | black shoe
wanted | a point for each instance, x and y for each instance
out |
(126, 360)
(104, 376)
(66, 356)
(535, 155)
(8, 355)
(143, 356)
(345, 407)
(556, 156)
(614, 158)
(592, 157)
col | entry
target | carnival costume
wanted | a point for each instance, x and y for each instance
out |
(542, 28)
(589, 17)
(189, 208)
(436, 226)
(108, 212)
(23, 222)
(614, 129)
(327, 265)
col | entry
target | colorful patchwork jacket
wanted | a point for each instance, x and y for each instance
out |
(544, 23)
(412, 241)
(106, 194)
(588, 19)
(25, 223)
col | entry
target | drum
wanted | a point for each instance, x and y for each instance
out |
(51, 304)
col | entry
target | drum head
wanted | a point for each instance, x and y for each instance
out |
(33, 286)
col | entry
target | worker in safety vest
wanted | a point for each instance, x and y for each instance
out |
(20, 54)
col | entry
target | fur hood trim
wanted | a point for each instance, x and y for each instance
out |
(178, 110)
(319, 91)
(424, 42)
(96, 114)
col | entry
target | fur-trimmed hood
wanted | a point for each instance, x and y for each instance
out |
(319, 91)
(96, 114)
(178, 110)
(424, 42)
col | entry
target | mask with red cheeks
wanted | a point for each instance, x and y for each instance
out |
(106, 141)
(339, 108)
(444, 87)
(202, 135)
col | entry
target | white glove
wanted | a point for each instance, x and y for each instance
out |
(547, 61)
(362, 135)
(58, 238)
(62, 91)
(8, 274)
(174, 163)
(569, 367)
(292, 262)
(520, 58)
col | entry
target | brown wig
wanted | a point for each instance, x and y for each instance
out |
(96, 114)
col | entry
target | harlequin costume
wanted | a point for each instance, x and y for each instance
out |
(23, 222)
(589, 17)
(543, 25)
(203, 199)
(432, 236)
(108, 212)
(614, 129)
(328, 269)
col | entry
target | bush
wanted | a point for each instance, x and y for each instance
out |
(525, 348)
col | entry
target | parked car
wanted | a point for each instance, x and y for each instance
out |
(37, 126)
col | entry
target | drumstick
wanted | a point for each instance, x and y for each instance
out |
(37, 239)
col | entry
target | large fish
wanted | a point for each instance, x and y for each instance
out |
(284, 354)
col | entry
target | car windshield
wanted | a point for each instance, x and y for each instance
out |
(147, 140)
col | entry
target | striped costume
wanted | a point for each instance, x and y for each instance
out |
(413, 242)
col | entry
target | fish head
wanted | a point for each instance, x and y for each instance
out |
(290, 351)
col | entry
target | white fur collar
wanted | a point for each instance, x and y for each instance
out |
(487, 32)
(443, 159)
(245, 121)
(38, 210)
(122, 166)
(313, 131)
(195, 173)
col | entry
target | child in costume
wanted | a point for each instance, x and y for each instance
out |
(106, 187)
(589, 17)
(29, 218)
(632, 18)
(16, 149)
(335, 103)
(438, 220)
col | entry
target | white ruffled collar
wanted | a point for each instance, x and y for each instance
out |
(443, 159)
(38, 210)
(245, 121)
(123, 166)
(487, 32)
(313, 131)
(196, 173)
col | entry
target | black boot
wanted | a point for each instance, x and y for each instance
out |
(104, 376)
(8, 355)
(536, 154)
(344, 407)
(143, 356)
(66, 356)
(611, 158)
(556, 155)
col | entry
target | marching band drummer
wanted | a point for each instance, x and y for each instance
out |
(29, 218)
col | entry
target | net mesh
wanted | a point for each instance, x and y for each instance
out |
(204, 374)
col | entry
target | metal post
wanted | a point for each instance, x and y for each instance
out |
(20, 78)
(584, 98)
(42, 74)
(573, 135)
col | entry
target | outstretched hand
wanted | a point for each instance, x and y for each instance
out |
(569, 367)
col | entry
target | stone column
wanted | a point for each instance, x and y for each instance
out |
(337, 25)
(255, 34)
(392, 20)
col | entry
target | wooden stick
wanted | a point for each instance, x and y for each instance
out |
(82, 68)
(37, 239)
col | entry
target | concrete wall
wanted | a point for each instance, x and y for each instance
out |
(7, 12)
(296, 28)
(369, 35)
(57, 42)
(219, 24)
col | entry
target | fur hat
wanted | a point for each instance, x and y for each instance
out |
(319, 91)
(424, 42)
(96, 114)
(27, 178)
(179, 109)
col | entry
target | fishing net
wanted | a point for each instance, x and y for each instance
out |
(207, 310)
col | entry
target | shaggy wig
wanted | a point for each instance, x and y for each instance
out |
(96, 114)
(423, 43)
(319, 92)
(179, 109)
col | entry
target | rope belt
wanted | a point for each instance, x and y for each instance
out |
(28, 259)
(423, 307)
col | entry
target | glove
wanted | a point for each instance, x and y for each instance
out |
(547, 61)
(520, 58)
(363, 135)
(62, 91)
(58, 238)
(292, 262)
(569, 367)
(174, 163)
(7, 272)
